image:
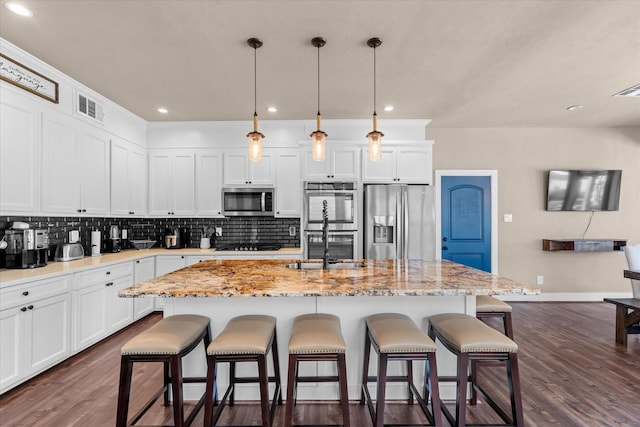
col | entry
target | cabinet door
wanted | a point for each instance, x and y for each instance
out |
(315, 170)
(143, 270)
(120, 309)
(19, 155)
(236, 168)
(160, 184)
(93, 172)
(183, 181)
(209, 183)
(120, 180)
(48, 332)
(12, 328)
(138, 181)
(60, 188)
(383, 170)
(414, 165)
(288, 184)
(165, 264)
(261, 173)
(90, 315)
(344, 163)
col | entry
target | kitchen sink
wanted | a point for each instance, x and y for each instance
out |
(318, 265)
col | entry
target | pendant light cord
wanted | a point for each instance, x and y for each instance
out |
(318, 79)
(374, 80)
(255, 81)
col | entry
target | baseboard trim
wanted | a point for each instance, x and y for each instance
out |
(565, 296)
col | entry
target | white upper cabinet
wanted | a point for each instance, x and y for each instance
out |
(410, 164)
(19, 155)
(341, 163)
(239, 170)
(171, 183)
(209, 182)
(288, 182)
(128, 179)
(75, 167)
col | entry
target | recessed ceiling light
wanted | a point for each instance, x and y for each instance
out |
(18, 9)
(388, 108)
(272, 109)
(574, 107)
(163, 110)
(633, 92)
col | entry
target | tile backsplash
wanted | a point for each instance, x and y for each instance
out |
(234, 229)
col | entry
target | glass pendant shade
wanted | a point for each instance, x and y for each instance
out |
(375, 145)
(317, 142)
(255, 142)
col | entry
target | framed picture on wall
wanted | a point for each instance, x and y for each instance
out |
(25, 78)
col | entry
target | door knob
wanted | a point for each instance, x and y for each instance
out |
(445, 248)
(444, 239)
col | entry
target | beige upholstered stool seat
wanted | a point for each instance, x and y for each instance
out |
(397, 333)
(316, 337)
(171, 335)
(469, 335)
(316, 333)
(486, 303)
(249, 334)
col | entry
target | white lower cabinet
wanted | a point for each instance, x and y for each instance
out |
(143, 270)
(98, 311)
(35, 328)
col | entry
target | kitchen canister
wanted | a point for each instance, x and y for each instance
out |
(205, 243)
(95, 243)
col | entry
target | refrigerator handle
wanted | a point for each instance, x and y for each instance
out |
(405, 222)
(398, 227)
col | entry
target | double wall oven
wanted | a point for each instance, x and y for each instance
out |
(342, 209)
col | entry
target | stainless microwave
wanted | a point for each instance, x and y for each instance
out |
(248, 201)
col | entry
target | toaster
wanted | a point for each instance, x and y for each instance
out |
(69, 252)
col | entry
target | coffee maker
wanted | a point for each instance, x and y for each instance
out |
(172, 238)
(26, 248)
(114, 243)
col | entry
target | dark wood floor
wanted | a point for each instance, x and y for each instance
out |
(573, 374)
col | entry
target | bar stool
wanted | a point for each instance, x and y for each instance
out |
(473, 341)
(396, 337)
(168, 341)
(244, 339)
(316, 337)
(488, 306)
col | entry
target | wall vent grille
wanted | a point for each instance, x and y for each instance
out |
(90, 108)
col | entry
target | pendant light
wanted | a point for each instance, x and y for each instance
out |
(375, 136)
(255, 137)
(318, 137)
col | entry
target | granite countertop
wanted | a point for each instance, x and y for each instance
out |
(270, 278)
(54, 268)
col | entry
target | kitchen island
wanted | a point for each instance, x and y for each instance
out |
(222, 289)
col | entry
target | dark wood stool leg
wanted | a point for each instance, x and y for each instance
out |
(176, 388)
(126, 370)
(461, 385)
(210, 398)
(276, 366)
(432, 373)
(513, 375)
(474, 381)
(264, 390)
(167, 382)
(508, 325)
(344, 393)
(365, 366)
(292, 378)
(410, 381)
(232, 381)
(381, 392)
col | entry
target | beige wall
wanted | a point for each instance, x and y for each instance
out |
(522, 157)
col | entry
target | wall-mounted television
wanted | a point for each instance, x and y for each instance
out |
(584, 190)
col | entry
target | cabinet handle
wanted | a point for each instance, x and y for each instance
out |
(30, 307)
(23, 309)
(84, 210)
(138, 262)
(79, 210)
(108, 273)
(25, 293)
(109, 284)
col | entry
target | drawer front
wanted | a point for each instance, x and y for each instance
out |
(103, 274)
(32, 291)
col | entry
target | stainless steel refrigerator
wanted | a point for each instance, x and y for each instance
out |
(399, 221)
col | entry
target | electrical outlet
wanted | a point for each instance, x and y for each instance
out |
(292, 231)
(540, 280)
(219, 231)
(508, 218)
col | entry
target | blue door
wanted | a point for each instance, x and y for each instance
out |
(466, 220)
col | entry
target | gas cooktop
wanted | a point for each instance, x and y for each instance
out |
(248, 246)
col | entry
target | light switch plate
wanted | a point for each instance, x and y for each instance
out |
(508, 218)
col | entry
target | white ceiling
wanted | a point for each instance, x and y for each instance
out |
(493, 63)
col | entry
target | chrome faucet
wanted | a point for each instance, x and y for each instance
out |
(325, 238)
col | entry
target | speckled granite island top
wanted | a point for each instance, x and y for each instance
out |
(271, 278)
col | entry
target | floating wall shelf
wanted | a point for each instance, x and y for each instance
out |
(583, 245)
